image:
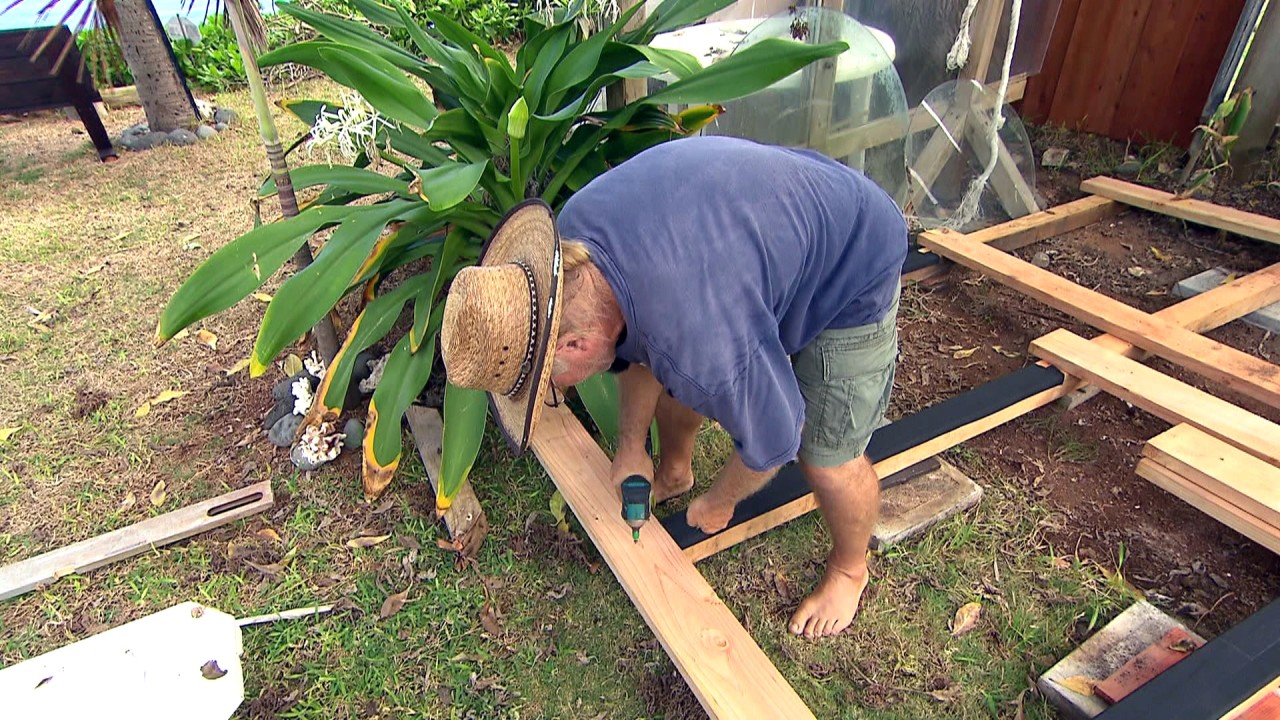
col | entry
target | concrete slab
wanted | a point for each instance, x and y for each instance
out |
(1101, 655)
(908, 509)
(1268, 318)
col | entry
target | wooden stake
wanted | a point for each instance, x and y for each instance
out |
(126, 542)
(465, 519)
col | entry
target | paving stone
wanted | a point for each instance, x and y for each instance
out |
(1268, 318)
(918, 504)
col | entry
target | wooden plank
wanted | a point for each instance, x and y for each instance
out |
(1016, 197)
(1033, 228)
(1159, 394)
(1202, 312)
(465, 519)
(1214, 360)
(730, 675)
(1258, 227)
(126, 542)
(1215, 507)
(984, 28)
(1222, 469)
(1038, 98)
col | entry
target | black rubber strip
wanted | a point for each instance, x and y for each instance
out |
(918, 259)
(1213, 680)
(890, 440)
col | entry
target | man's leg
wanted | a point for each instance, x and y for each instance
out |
(849, 498)
(677, 432)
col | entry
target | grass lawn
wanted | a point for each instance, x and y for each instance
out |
(535, 627)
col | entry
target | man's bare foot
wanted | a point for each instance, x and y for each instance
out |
(671, 483)
(708, 514)
(831, 607)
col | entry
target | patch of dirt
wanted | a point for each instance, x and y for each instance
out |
(1081, 463)
(89, 401)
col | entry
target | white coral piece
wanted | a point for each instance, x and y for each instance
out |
(302, 396)
(320, 444)
(314, 365)
(376, 367)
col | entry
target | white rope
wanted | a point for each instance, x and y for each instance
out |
(959, 54)
(968, 208)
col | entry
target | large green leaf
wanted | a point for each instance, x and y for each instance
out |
(240, 267)
(677, 62)
(355, 34)
(447, 185)
(307, 296)
(580, 63)
(746, 71)
(403, 379)
(371, 325)
(383, 86)
(308, 110)
(544, 64)
(441, 267)
(465, 413)
(344, 177)
(673, 15)
(455, 33)
(379, 14)
(601, 396)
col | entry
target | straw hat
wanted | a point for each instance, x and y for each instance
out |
(502, 317)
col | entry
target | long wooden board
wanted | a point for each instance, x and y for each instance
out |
(1214, 360)
(1212, 505)
(1202, 312)
(1220, 468)
(1166, 397)
(1258, 227)
(730, 675)
(86, 555)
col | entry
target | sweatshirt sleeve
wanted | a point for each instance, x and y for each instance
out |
(762, 409)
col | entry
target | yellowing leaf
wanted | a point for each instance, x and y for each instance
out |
(262, 297)
(966, 618)
(1229, 279)
(557, 505)
(962, 354)
(268, 534)
(238, 367)
(1007, 353)
(208, 339)
(292, 365)
(181, 334)
(158, 494)
(143, 410)
(6, 433)
(168, 395)
(1079, 684)
(1158, 254)
(366, 541)
(129, 500)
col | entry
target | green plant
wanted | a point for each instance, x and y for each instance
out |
(215, 62)
(497, 132)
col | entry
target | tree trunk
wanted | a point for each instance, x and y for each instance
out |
(163, 93)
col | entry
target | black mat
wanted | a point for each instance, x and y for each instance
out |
(918, 259)
(1214, 679)
(890, 440)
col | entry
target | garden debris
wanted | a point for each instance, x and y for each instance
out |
(6, 433)
(1054, 157)
(167, 396)
(158, 494)
(366, 541)
(211, 671)
(489, 619)
(966, 618)
(208, 339)
(393, 604)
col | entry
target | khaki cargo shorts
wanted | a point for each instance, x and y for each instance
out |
(846, 378)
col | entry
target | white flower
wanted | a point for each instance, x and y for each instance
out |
(352, 127)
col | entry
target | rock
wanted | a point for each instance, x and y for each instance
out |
(183, 136)
(1054, 157)
(354, 432)
(182, 28)
(301, 461)
(139, 129)
(1129, 168)
(281, 434)
(220, 126)
(282, 389)
(283, 406)
(145, 141)
(225, 115)
(204, 132)
(1041, 260)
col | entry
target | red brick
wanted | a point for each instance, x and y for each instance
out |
(1155, 659)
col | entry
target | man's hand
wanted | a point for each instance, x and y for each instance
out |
(630, 462)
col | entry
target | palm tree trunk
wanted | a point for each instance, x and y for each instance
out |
(325, 336)
(161, 89)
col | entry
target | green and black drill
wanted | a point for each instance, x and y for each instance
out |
(636, 501)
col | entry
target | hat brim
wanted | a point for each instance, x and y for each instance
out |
(528, 234)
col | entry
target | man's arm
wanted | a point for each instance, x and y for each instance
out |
(639, 391)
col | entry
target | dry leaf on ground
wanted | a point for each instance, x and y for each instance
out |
(366, 541)
(158, 493)
(268, 534)
(211, 671)
(962, 354)
(6, 433)
(262, 297)
(292, 365)
(489, 619)
(392, 604)
(129, 500)
(966, 618)
(1159, 254)
(1007, 353)
(1079, 684)
(238, 367)
(207, 338)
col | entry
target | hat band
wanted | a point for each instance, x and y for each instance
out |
(526, 366)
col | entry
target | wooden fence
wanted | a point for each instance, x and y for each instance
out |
(1132, 69)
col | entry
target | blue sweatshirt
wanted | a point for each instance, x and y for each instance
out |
(727, 257)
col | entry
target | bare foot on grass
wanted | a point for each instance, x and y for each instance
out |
(671, 483)
(708, 514)
(832, 607)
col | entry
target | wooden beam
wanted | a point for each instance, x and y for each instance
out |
(1232, 474)
(1033, 228)
(1016, 196)
(86, 555)
(984, 28)
(1258, 227)
(1212, 505)
(1167, 398)
(1235, 369)
(730, 675)
(1202, 312)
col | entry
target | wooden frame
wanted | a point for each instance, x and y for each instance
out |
(86, 555)
(1252, 225)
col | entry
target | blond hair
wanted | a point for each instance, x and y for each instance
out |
(573, 254)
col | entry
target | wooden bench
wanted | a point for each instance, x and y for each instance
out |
(41, 68)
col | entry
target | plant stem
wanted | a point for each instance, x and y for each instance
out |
(517, 181)
(325, 336)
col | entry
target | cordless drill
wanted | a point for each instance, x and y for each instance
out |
(636, 500)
